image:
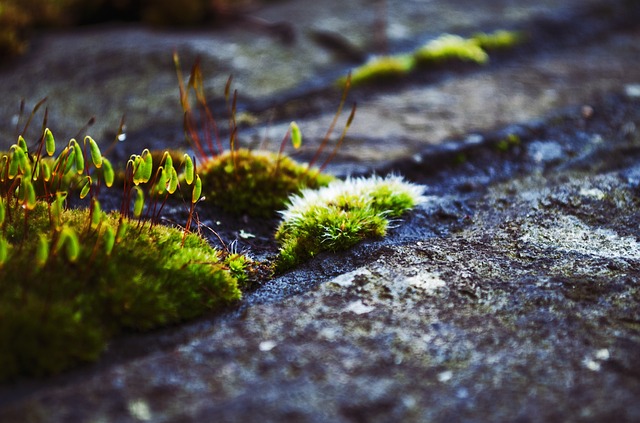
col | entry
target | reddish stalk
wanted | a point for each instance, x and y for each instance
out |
(33, 112)
(281, 151)
(340, 140)
(325, 140)
(233, 128)
(192, 208)
(208, 123)
(208, 119)
(118, 137)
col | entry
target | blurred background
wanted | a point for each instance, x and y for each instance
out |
(103, 60)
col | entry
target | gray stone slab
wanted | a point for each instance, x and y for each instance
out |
(511, 295)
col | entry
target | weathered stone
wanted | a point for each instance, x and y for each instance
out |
(511, 294)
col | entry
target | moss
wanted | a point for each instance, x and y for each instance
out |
(498, 40)
(70, 279)
(449, 47)
(257, 183)
(460, 159)
(445, 49)
(509, 142)
(64, 310)
(13, 22)
(18, 17)
(382, 68)
(340, 215)
(170, 12)
(243, 181)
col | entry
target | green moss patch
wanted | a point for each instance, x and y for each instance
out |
(498, 40)
(59, 309)
(451, 47)
(383, 68)
(257, 183)
(70, 279)
(445, 49)
(340, 215)
(18, 18)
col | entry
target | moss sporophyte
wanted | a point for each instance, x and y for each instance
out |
(70, 279)
(240, 180)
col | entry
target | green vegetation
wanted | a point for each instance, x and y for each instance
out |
(12, 24)
(19, 17)
(383, 68)
(340, 215)
(73, 278)
(509, 142)
(451, 48)
(445, 49)
(256, 182)
(498, 40)
(243, 181)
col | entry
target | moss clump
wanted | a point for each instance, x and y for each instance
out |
(447, 48)
(451, 47)
(498, 40)
(61, 309)
(239, 180)
(340, 215)
(509, 142)
(257, 183)
(19, 17)
(383, 68)
(70, 279)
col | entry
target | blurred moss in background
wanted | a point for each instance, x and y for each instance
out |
(18, 18)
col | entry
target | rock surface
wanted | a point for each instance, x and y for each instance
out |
(513, 294)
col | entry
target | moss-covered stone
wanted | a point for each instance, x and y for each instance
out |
(498, 40)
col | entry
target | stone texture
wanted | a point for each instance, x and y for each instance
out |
(511, 295)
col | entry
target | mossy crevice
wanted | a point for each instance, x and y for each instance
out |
(71, 279)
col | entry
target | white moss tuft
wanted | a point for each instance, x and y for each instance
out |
(358, 190)
(342, 214)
